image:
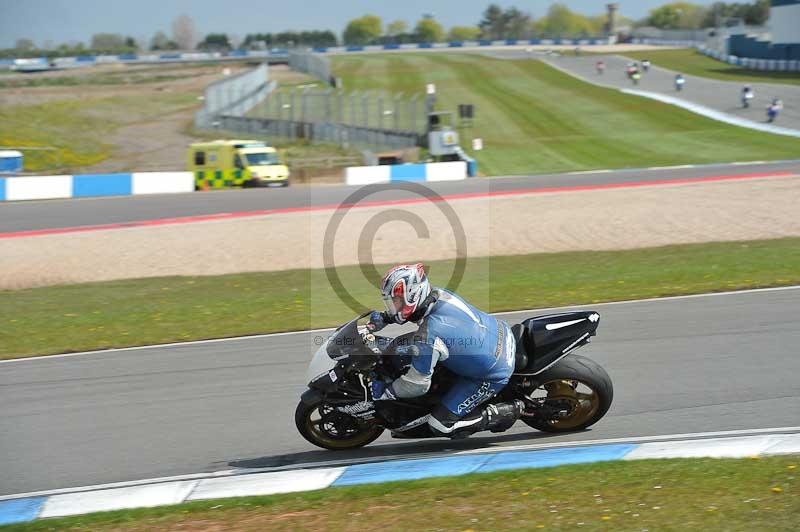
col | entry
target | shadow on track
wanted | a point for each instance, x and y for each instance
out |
(431, 447)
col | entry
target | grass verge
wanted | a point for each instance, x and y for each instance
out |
(149, 311)
(686, 494)
(696, 64)
(536, 119)
(79, 129)
(119, 74)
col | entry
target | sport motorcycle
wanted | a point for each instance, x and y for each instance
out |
(562, 391)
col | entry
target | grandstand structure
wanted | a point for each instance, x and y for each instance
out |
(780, 41)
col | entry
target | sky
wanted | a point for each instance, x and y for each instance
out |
(60, 21)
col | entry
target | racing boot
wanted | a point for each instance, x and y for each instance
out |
(493, 417)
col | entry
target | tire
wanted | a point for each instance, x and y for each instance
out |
(302, 420)
(590, 374)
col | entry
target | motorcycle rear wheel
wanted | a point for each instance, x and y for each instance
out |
(578, 386)
(319, 424)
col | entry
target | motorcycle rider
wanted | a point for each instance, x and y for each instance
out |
(476, 346)
(773, 109)
(747, 95)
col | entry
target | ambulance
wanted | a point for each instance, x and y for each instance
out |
(236, 163)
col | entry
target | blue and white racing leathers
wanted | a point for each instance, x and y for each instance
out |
(474, 345)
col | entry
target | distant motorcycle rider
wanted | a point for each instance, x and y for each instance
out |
(476, 346)
(747, 95)
(773, 109)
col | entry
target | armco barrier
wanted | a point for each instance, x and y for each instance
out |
(752, 63)
(368, 175)
(94, 185)
(281, 54)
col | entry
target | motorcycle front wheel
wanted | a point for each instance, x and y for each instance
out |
(325, 427)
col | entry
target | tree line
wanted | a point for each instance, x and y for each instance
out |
(496, 23)
(686, 15)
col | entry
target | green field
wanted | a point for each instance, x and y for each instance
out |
(83, 116)
(120, 75)
(532, 118)
(79, 129)
(149, 311)
(690, 494)
(535, 119)
(696, 64)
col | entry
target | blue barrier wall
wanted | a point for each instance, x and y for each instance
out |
(90, 60)
(407, 172)
(23, 188)
(87, 60)
(744, 46)
(84, 186)
(445, 171)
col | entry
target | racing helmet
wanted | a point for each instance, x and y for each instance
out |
(404, 289)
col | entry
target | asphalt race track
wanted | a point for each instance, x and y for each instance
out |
(54, 214)
(696, 364)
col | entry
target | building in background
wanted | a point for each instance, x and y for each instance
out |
(784, 22)
(781, 41)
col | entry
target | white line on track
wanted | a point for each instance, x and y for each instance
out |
(312, 331)
(678, 167)
(355, 461)
(637, 439)
(587, 172)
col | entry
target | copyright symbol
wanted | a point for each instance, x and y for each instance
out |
(371, 228)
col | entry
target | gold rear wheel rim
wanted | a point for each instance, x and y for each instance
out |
(578, 398)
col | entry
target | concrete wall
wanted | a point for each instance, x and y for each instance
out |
(368, 175)
(94, 185)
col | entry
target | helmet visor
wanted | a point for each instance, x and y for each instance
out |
(394, 304)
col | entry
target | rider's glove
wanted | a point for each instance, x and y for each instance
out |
(382, 391)
(377, 321)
